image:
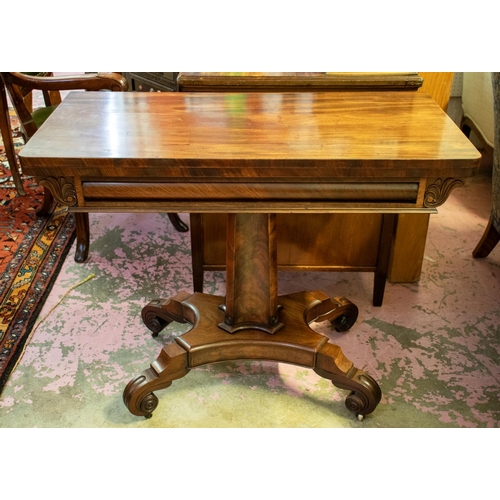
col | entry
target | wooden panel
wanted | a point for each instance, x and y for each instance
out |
(406, 265)
(328, 240)
(308, 241)
(296, 81)
(331, 242)
(356, 192)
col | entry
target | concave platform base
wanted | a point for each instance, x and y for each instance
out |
(294, 343)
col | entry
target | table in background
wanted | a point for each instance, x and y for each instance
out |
(336, 242)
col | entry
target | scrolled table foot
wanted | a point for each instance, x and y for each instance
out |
(345, 316)
(152, 320)
(148, 404)
(366, 397)
(171, 364)
(140, 402)
(365, 392)
(341, 312)
(159, 313)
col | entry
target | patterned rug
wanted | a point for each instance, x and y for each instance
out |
(32, 250)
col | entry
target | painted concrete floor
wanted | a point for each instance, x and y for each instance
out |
(433, 346)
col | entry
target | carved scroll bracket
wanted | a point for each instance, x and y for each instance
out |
(62, 190)
(437, 192)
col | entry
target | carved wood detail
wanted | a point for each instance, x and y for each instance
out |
(437, 192)
(207, 343)
(62, 190)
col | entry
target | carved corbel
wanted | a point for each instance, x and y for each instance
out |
(62, 190)
(437, 192)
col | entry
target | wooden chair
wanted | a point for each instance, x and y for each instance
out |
(491, 234)
(477, 108)
(19, 86)
(50, 98)
(8, 140)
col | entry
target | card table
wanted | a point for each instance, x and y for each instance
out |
(252, 156)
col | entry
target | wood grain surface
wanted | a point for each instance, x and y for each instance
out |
(183, 135)
(295, 81)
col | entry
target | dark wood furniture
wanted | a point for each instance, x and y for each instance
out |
(295, 82)
(152, 82)
(251, 156)
(8, 142)
(306, 243)
(491, 235)
(19, 85)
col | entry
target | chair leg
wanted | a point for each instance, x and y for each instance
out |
(82, 237)
(8, 142)
(178, 223)
(487, 243)
(465, 127)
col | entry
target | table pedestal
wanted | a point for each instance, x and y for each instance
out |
(251, 322)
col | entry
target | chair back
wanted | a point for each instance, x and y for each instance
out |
(477, 105)
(495, 201)
(19, 87)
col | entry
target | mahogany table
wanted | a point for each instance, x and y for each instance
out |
(357, 236)
(251, 156)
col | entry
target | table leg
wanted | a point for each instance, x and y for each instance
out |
(251, 322)
(251, 274)
(389, 222)
(82, 237)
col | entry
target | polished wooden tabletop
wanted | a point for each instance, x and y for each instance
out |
(364, 134)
